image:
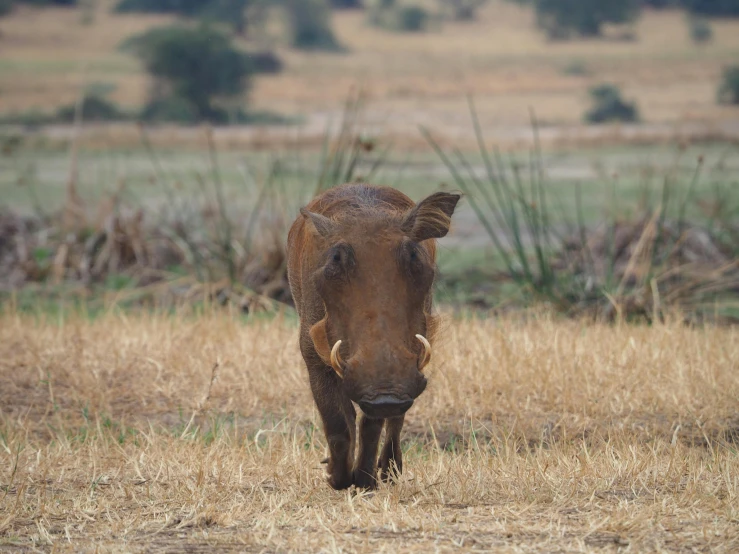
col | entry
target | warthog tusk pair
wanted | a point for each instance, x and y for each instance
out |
(338, 365)
(426, 352)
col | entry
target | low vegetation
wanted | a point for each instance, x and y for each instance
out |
(310, 24)
(700, 29)
(651, 255)
(728, 91)
(400, 16)
(461, 10)
(562, 19)
(609, 106)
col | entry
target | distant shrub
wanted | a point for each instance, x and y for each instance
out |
(713, 8)
(93, 108)
(412, 18)
(728, 91)
(562, 19)
(48, 2)
(231, 12)
(310, 24)
(576, 68)
(6, 6)
(191, 68)
(462, 10)
(609, 106)
(182, 7)
(700, 29)
(657, 3)
(347, 4)
(265, 62)
(174, 109)
(390, 15)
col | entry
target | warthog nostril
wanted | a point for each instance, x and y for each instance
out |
(385, 405)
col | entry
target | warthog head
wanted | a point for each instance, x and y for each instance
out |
(375, 276)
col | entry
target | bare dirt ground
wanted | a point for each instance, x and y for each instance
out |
(533, 436)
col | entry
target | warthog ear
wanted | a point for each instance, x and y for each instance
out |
(431, 217)
(321, 223)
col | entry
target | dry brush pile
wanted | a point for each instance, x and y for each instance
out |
(174, 433)
(166, 255)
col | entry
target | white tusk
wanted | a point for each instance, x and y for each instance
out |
(336, 360)
(426, 352)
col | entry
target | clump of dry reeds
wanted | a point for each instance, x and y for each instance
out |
(632, 269)
(538, 435)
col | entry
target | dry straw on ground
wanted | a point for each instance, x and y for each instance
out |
(120, 433)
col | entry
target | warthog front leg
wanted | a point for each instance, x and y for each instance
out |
(338, 416)
(391, 453)
(365, 469)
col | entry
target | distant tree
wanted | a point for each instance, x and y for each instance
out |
(399, 16)
(347, 4)
(229, 11)
(310, 24)
(566, 18)
(728, 91)
(6, 6)
(183, 7)
(609, 106)
(713, 8)
(462, 10)
(658, 4)
(700, 29)
(193, 68)
(48, 2)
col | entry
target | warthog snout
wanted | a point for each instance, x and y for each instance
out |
(385, 405)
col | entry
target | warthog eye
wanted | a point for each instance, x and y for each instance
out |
(416, 265)
(339, 262)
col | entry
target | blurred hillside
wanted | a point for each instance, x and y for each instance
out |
(48, 56)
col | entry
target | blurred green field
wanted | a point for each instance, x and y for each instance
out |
(631, 176)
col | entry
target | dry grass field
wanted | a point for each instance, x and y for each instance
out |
(502, 59)
(537, 435)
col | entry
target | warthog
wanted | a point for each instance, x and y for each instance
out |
(361, 264)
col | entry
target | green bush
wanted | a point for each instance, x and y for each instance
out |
(182, 7)
(94, 108)
(412, 18)
(310, 24)
(609, 106)
(6, 6)
(713, 8)
(461, 10)
(700, 29)
(562, 19)
(265, 62)
(728, 91)
(346, 4)
(388, 14)
(47, 2)
(172, 109)
(576, 68)
(193, 66)
(232, 12)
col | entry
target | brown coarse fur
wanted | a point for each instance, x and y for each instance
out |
(361, 262)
